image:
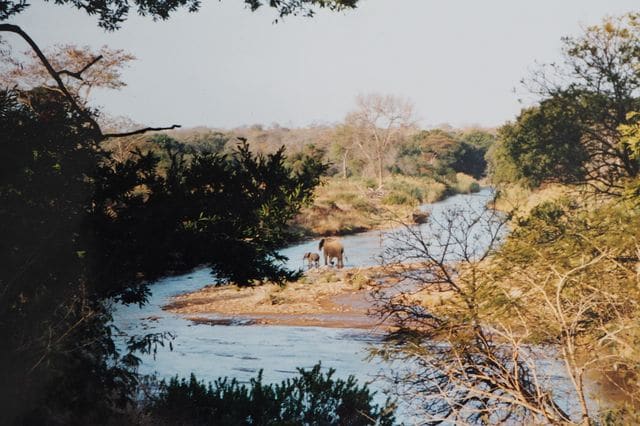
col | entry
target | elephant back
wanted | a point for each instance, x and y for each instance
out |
(330, 242)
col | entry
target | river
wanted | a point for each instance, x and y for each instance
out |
(240, 351)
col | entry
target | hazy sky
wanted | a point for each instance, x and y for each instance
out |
(458, 61)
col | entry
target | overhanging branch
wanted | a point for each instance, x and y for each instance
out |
(139, 131)
(78, 75)
(54, 74)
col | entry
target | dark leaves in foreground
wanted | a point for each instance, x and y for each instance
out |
(311, 398)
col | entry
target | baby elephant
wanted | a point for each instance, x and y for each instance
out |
(313, 260)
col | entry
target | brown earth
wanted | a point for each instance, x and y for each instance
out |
(324, 297)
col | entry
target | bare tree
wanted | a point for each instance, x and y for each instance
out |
(379, 122)
(343, 146)
(494, 336)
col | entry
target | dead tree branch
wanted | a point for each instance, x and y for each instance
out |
(139, 131)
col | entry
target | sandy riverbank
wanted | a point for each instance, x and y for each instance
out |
(325, 297)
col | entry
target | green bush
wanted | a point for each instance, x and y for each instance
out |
(398, 198)
(311, 398)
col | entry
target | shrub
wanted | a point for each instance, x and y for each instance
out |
(398, 198)
(311, 398)
(465, 184)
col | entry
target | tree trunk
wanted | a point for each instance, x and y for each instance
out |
(379, 171)
(344, 164)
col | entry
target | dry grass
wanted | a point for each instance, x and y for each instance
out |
(344, 206)
(324, 297)
(465, 184)
(515, 198)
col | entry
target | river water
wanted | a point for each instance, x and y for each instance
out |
(240, 351)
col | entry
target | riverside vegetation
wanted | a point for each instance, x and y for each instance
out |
(91, 217)
(562, 288)
(94, 211)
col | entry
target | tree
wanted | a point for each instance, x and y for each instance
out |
(427, 153)
(631, 134)
(101, 69)
(343, 146)
(478, 321)
(469, 156)
(80, 230)
(379, 122)
(112, 13)
(591, 92)
(440, 154)
(544, 145)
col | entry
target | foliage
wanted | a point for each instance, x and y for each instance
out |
(344, 206)
(543, 145)
(427, 153)
(212, 141)
(312, 398)
(440, 154)
(465, 184)
(631, 134)
(112, 13)
(105, 73)
(59, 357)
(80, 229)
(586, 296)
(574, 135)
(378, 123)
(469, 157)
(228, 212)
(483, 323)
(310, 154)
(343, 151)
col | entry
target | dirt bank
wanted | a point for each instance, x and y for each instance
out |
(324, 297)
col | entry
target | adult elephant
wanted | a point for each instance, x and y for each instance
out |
(332, 248)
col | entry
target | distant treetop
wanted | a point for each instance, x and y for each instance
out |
(112, 13)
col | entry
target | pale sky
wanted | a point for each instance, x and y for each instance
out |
(458, 61)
